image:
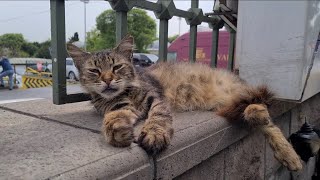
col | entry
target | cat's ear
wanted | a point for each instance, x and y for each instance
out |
(125, 47)
(78, 55)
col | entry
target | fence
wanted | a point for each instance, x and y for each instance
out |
(164, 11)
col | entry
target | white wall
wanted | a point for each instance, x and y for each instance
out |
(275, 44)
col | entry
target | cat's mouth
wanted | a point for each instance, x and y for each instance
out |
(109, 90)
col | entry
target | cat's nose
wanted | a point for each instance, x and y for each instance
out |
(107, 78)
(107, 81)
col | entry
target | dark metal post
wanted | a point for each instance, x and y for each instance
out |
(214, 47)
(121, 25)
(193, 36)
(194, 3)
(58, 40)
(193, 43)
(232, 43)
(163, 40)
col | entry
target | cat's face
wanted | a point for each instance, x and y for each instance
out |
(107, 73)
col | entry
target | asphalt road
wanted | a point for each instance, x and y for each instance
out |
(18, 95)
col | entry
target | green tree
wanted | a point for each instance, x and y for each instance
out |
(172, 38)
(29, 48)
(43, 51)
(141, 26)
(106, 26)
(95, 41)
(37, 44)
(13, 42)
(16, 46)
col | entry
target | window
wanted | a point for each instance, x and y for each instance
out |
(69, 62)
(144, 58)
(172, 56)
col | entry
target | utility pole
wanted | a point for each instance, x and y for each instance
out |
(85, 2)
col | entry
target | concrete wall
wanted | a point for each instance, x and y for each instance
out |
(286, 46)
(248, 158)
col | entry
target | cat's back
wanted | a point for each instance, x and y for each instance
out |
(171, 74)
(196, 86)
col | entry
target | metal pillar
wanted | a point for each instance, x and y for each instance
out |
(163, 40)
(121, 25)
(58, 40)
(193, 36)
(232, 43)
(214, 47)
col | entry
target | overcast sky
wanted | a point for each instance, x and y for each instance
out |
(32, 18)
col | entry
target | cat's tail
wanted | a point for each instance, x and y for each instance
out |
(257, 116)
(252, 108)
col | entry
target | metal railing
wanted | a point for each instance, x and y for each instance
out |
(164, 11)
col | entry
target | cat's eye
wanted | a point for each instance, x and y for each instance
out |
(95, 71)
(117, 67)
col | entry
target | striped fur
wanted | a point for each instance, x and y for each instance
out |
(125, 95)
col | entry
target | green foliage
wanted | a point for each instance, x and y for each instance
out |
(43, 51)
(29, 49)
(37, 44)
(172, 38)
(23, 54)
(141, 26)
(95, 41)
(106, 26)
(17, 46)
(13, 42)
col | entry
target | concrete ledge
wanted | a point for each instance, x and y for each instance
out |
(41, 140)
(198, 135)
(35, 149)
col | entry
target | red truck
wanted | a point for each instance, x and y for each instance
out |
(179, 48)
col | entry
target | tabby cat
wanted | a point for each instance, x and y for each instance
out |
(125, 94)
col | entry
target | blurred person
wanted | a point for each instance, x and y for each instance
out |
(7, 70)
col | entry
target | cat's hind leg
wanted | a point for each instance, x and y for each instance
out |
(257, 116)
(251, 106)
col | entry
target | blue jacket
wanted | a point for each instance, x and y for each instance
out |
(4, 62)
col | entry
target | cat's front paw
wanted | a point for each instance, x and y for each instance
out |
(118, 132)
(155, 138)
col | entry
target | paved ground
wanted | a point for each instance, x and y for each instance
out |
(18, 95)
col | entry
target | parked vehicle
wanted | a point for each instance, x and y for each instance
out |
(72, 72)
(179, 49)
(143, 60)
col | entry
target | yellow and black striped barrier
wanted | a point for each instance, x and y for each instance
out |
(35, 81)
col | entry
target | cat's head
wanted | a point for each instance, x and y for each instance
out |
(108, 72)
